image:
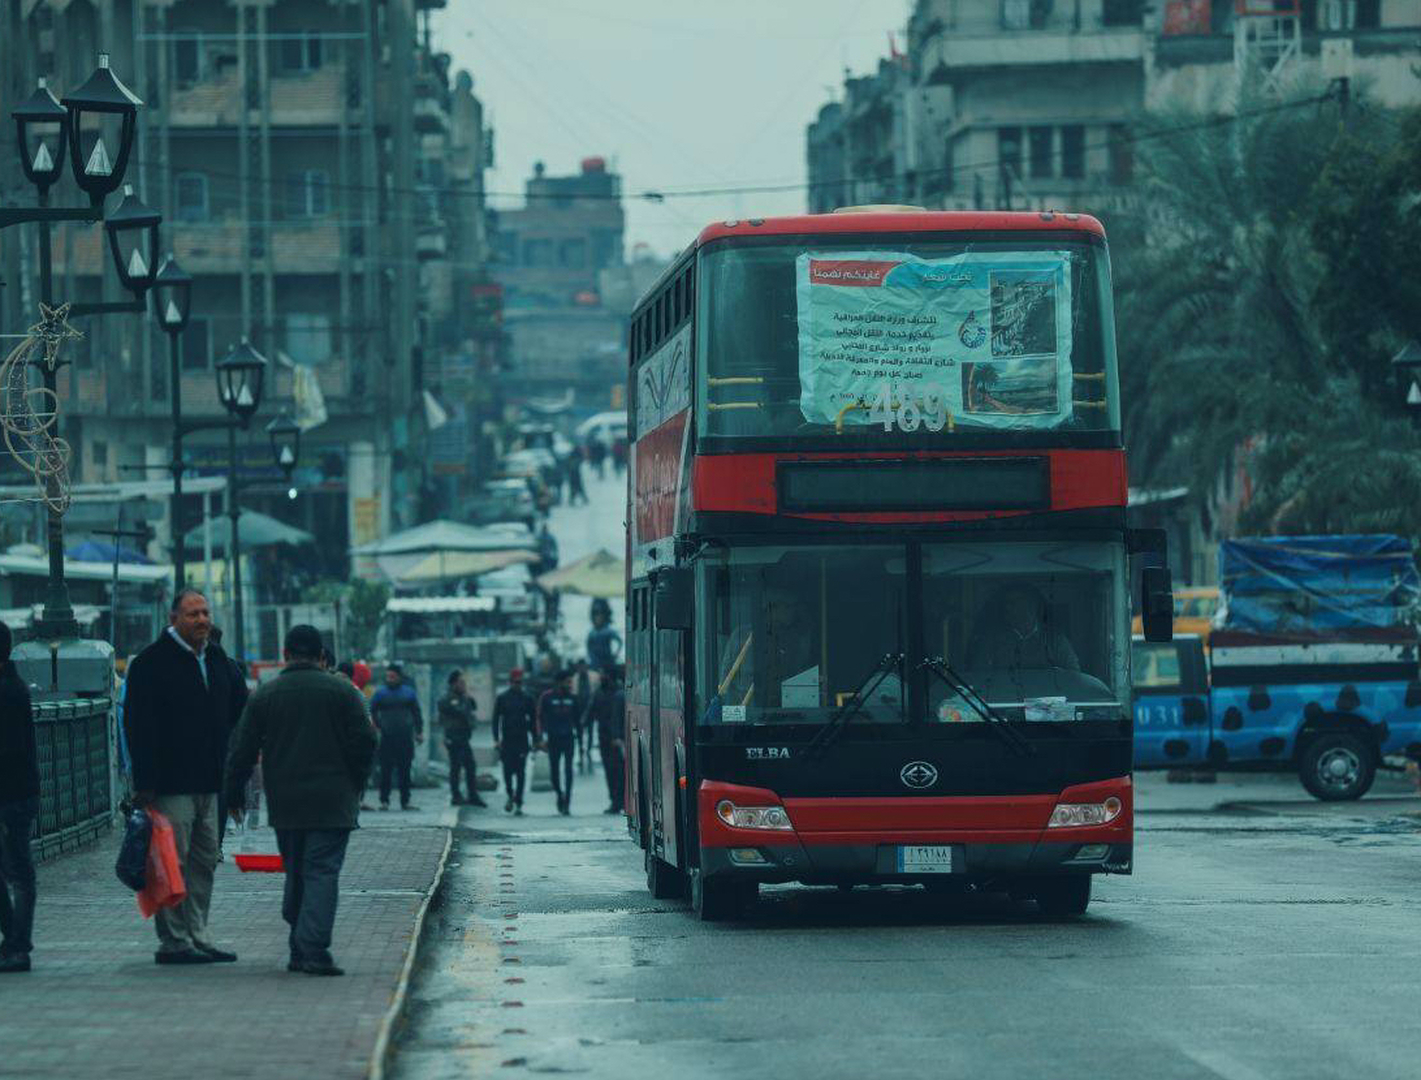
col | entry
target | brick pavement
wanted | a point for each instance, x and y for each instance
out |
(96, 1004)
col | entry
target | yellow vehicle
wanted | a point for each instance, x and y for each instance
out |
(1194, 607)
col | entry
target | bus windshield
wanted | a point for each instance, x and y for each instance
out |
(1041, 629)
(906, 341)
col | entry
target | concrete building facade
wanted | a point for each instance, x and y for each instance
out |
(320, 173)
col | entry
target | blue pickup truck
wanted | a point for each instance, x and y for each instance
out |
(1313, 667)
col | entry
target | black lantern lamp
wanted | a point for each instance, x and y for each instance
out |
(285, 444)
(1407, 365)
(239, 380)
(133, 239)
(102, 116)
(41, 124)
(172, 296)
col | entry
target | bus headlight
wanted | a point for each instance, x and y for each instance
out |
(1073, 815)
(752, 817)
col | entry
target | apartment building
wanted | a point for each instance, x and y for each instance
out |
(1033, 104)
(564, 335)
(320, 173)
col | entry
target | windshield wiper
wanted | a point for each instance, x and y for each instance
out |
(968, 693)
(835, 725)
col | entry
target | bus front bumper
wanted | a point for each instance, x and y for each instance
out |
(967, 838)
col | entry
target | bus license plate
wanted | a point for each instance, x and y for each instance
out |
(923, 859)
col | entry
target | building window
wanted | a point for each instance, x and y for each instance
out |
(100, 451)
(1025, 14)
(537, 253)
(573, 253)
(188, 56)
(1009, 150)
(301, 52)
(192, 196)
(308, 337)
(1073, 151)
(1040, 141)
(1122, 12)
(197, 344)
(1122, 155)
(308, 194)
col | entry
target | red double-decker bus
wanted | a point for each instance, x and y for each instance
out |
(878, 596)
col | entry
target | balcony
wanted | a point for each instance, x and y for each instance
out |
(309, 99)
(948, 55)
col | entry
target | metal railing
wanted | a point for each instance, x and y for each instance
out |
(76, 777)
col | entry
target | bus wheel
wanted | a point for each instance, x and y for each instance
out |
(663, 880)
(1062, 897)
(1337, 765)
(715, 899)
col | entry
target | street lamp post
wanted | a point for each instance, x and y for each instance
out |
(98, 116)
(172, 301)
(240, 376)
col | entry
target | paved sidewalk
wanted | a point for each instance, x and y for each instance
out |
(97, 1005)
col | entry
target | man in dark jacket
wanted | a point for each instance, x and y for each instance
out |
(582, 690)
(609, 713)
(557, 728)
(180, 703)
(315, 743)
(457, 712)
(19, 805)
(513, 719)
(395, 710)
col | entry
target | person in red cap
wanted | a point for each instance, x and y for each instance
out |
(513, 715)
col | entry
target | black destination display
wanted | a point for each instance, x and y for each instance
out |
(912, 484)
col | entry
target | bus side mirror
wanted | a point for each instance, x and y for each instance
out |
(1157, 603)
(674, 590)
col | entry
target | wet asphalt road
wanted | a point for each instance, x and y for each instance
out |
(1262, 935)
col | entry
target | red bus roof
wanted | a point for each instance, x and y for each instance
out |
(901, 221)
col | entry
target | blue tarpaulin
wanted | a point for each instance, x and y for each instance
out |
(1314, 585)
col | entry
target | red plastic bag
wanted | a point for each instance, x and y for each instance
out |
(164, 881)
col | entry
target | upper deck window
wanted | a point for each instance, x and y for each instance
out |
(909, 342)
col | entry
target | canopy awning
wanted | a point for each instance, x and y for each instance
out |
(407, 571)
(440, 605)
(436, 536)
(128, 573)
(254, 529)
(599, 574)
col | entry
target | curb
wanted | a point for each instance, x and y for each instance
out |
(384, 1041)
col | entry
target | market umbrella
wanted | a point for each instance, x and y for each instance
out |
(99, 551)
(451, 565)
(254, 530)
(599, 574)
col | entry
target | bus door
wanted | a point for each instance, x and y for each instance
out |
(667, 734)
(1171, 702)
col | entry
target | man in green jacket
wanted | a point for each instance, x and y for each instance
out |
(315, 743)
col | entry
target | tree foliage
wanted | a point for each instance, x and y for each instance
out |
(1262, 288)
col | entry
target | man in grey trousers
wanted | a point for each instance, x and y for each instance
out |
(181, 698)
(315, 742)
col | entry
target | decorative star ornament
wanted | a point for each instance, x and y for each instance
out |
(53, 329)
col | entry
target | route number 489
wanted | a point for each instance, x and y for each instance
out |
(908, 410)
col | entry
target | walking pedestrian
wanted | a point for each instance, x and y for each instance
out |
(609, 712)
(575, 490)
(582, 690)
(395, 710)
(555, 729)
(315, 743)
(19, 806)
(457, 715)
(180, 706)
(597, 454)
(513, 719)
(604, 645)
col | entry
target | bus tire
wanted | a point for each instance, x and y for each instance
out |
(663, 880)
(1063, 897)
(1336, 766)
(717, 900)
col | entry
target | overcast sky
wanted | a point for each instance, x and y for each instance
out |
(677, 94)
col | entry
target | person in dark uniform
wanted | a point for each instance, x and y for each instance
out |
(556, 727)
(582, 690)
(513, 721)
(608, 713)
(457, 713)
(395, 710)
